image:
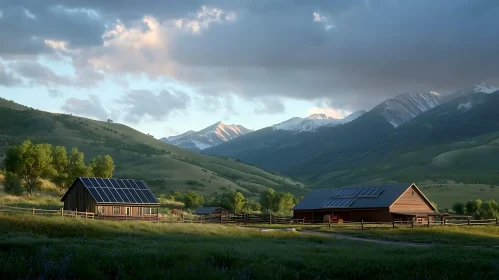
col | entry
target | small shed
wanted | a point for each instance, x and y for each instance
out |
(211, 211)
(111, 197)
(382, 203)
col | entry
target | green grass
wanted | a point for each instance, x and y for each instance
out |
(448, 235)
(165, 167)
(68, 248)
(446, 194)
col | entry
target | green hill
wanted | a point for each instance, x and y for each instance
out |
(164, 167)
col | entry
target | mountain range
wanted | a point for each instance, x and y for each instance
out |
(410, 137)
(211, 136)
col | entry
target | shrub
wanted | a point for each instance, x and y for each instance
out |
(13, 184)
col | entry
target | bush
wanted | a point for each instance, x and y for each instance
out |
(13, 184)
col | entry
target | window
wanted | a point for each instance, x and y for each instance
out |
(127, 210)
(141, 211)
(100, 210)
(154, 211)
(116, 210)
(147, 210)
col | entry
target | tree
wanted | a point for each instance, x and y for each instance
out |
(251, 206)
(76, 167)
(102, 166)
(60, 164)
(459, 208)
(193, 199)
(267, 199)
(30, 163)
(473, 206)
(237, 201)
(284, 202)
(13, 184)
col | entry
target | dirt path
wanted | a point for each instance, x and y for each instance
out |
(363, 239)
(373, 240)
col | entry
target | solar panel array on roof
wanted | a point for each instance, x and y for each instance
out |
(337, 203)
(119, 191)
(358, 192)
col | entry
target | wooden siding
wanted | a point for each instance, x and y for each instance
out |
(353, 215)
(410, 202)
(79, 199)
(134, 210)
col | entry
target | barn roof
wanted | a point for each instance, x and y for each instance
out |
(382, 196)
(207, 210)
(119, 191)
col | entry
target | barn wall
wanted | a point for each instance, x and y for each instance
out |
(79, 199)
(411, 201)
(108, 210)
(368, 215)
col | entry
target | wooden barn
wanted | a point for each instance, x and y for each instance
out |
(111, 197)
(211, 211)
(384, 203)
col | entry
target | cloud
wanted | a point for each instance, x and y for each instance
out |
(265, 49)
(55, 93)
(140, 104)
(269, 106)
(91, 107)
(7, 79)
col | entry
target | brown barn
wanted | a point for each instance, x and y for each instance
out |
(382, 203)
(210, 211)
(111, 197)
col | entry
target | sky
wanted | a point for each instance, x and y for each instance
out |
(165, 67)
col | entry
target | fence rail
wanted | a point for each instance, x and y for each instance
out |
(245, 219)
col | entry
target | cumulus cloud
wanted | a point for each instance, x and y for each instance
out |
(140, 104)
(91, 107)
(55, 93)
(353, 53)
(8, 79)
(268, 105)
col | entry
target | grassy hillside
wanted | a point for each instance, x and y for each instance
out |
(165, 167)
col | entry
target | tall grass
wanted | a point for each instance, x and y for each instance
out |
(57, 248)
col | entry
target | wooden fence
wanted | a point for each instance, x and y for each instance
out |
(246, 219)
(35, 211)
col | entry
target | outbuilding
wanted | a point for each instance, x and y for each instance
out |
(383, 203)
(111, 197)
(211, 211)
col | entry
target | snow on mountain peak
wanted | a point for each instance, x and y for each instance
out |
(211, 136)
(484, 88)
(315, 121)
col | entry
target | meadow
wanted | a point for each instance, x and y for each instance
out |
(63, 248)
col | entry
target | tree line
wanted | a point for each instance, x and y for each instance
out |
(270, 201)
(27, 164)
(476, 208)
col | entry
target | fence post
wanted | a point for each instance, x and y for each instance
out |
(412, 222)
(270, 218)
(62, 212)
(393, 223)
(33, 210)
(445, 221)
(86, 215)
(76, 213)
(469, 222)
(221, 217)
(428, 221)
(362, 224)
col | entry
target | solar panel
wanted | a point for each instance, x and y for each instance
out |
(357, 192)
(118, 191)
(338, 203)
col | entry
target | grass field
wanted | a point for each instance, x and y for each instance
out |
(448, 235)
(67, 248)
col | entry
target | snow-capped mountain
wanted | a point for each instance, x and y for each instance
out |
(211, 136)
(407, 106)
(315, 121)
(478, 88)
